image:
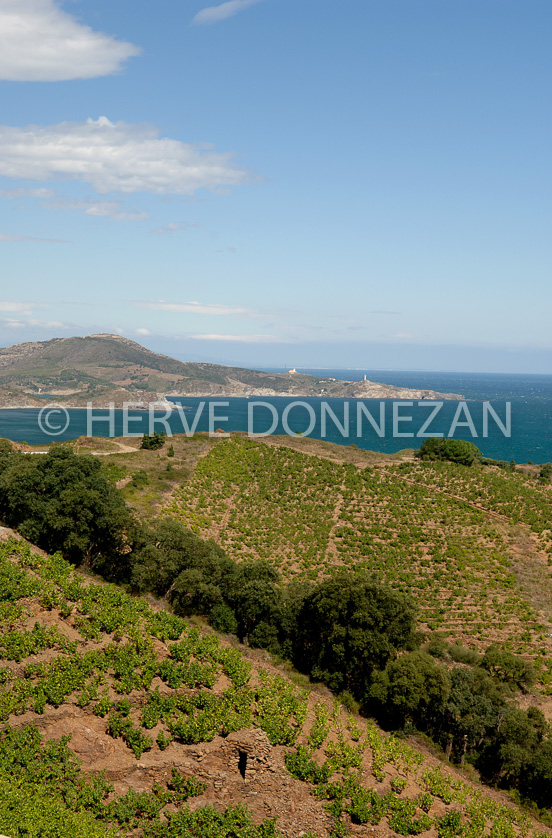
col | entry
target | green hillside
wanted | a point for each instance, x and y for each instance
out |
(471, 545)
(121, 719)
(342, 581)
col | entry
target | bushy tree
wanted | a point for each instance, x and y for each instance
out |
(223, 619)
(171, 561)
(255, 595)
(151, 442)
(454, 450)
(413, 686)
(545, 472)
(537, 780)
(509, 668)
(517, 739)
(294, 596)
(64, 501)
(347, 627)
(194, 591)
(472, 712)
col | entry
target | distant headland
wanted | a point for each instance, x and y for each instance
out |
(103, 369)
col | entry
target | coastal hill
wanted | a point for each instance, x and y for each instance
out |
(106, 368)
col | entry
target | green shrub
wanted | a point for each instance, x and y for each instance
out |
(300, 764)
(35, 812)
(460, 654)
(140, 478)
(437, 648)
(449, 825)
(398, 784)
(455, 450)
(404, 819)
(154, 441)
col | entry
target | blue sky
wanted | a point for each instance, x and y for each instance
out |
(269, 183)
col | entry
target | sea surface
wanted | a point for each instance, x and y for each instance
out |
(525, 436)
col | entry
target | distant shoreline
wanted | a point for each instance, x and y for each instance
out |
(377, 393)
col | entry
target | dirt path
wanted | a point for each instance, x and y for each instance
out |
(122, 449)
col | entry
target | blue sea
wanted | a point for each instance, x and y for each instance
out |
(516, 423)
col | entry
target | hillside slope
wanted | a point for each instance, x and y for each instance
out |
(472, 546)
(103, 368)
(182, 735)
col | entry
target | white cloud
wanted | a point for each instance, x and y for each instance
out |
(89, 206)
(40, 42)
(22, 192)
(14, 324)
(144, 332)
(212, 14)
(172, 227)
(98, 209)
(118, 157)
(244, 338)
(9, 237)
(36, 324)
(110, 209)
(199, 308)
(24, 308)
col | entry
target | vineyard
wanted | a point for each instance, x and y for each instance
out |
(447, 535)
(163, 714)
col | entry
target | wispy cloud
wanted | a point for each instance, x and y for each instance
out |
(23, 192)
(40, 42)
(96, 208)
(9, 237)
(88, 206)
(114, 157)
(173, 227)
(34, 324)
(200, 308)
(143, 332)
(19, 307)
(24, 316)
(213, 14)
(244, 338)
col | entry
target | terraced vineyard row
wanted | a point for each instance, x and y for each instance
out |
(159, 684)
(515, 495)
(401, 523)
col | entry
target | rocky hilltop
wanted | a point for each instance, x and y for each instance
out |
(108, 368)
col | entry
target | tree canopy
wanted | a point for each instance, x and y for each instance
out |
(414, 686)
(64, 501)
(349, 626)
(454, 450)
